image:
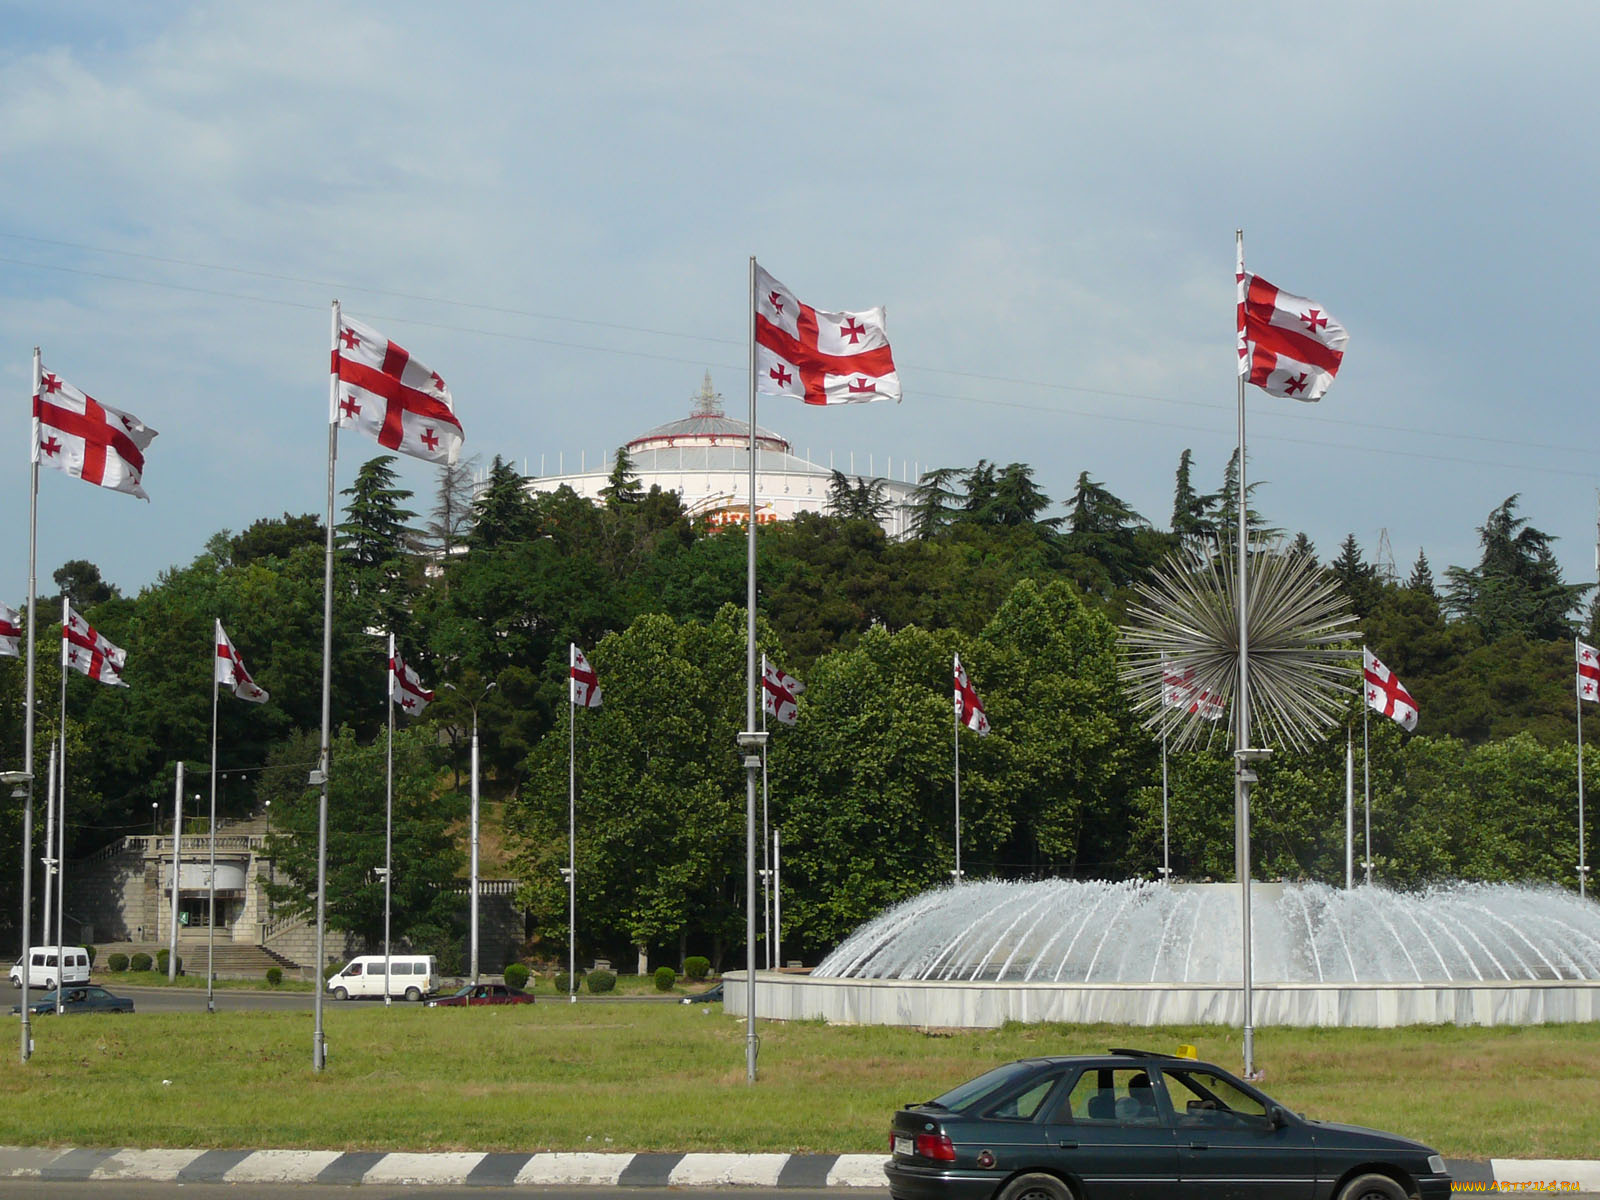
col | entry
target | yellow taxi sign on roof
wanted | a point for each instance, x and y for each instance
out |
(1186, 1051)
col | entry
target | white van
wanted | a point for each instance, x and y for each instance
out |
(410, 975)
(43, 973)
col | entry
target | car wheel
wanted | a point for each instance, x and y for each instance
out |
(1372, 1187)
(341, 994)
(413, 994)
(1035, 1187)
(16, 983)
(49, 984)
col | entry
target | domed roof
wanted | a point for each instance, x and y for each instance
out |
(706, 425)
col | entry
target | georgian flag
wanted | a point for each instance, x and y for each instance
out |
(94, 442)
(10, 632)
(779, 693)
(820, 357)
(405, 689)
(89, 652)
(1288, 345)
(584, 688)
(383, 391)
(969, 709)
(231, 673)
(1588, 671)
(1179, 690)
(1385, 694)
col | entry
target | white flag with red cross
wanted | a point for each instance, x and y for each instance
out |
(1179, 690)
(969, 709)
(385, 392)
(10, 632)
(584, 687)
(89, 652)
(76, 434)
(231, 673)
(1386, 695)
(1288, 345)
(405, 689)
(780, 693)
(820, 357)
(1588, 672)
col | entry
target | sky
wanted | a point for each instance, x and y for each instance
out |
(554, 206)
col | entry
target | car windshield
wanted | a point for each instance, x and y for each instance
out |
(984, 1086)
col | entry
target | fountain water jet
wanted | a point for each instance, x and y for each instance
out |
(1133, 952)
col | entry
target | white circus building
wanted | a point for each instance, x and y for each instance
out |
(705, 458)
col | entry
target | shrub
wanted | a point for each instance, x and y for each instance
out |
(697, 966)
(665, 978)
(89, 950)
(517, 976)
(601, 981)
(163, 957)
(140, 961)
(563, 982)
(274, 975)
(118, 963)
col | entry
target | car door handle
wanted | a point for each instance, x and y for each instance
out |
(1067, 1145)
(1199, 1145)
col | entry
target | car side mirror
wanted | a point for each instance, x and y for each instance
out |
(1277, 1116)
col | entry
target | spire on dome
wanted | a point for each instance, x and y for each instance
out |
(707, 403)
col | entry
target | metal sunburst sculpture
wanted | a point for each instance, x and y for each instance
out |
(1186, 621)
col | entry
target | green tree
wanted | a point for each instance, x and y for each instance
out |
(450, 520)
(427, 856)
(81, 580)
(374, 534)
(276, 537)
(503, 513)
(1421, 579)
(1516, 586)
(622, 486)
(935, 503)
(1357, 577)
(1189, 507)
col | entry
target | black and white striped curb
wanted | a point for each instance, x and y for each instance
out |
(449, 1169)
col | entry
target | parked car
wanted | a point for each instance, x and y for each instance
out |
(475, 994)
(1136, 1123)
(85, 999)
(43, 972)
(413, 976)
(712, 995)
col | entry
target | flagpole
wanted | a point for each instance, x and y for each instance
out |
(27, 738)
(320, 777)
(1349, 808)
(49, 839)
(777, 901)
(388, 822)
(61, 804)
(766, 838)
(752, 741)
(1583, 868)
(211, 887)
(572, 829)
(955, 736)
(177, 873)
(1244, 776)
(61, 860)
(1166, 850)
(1366, 793)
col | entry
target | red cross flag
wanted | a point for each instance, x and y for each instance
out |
(405, 689)
(820, 357)
(89, 652)
(1179, 690)
(75, 433)
(1288, 345)
(383, 391)
(10, 632)
(779, 693)
(584, 688)
(231, 673)
(969, 709)
(1386, 695)
(1588, 671)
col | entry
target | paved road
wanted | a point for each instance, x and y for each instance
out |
(169, 1000)
(32, 1190)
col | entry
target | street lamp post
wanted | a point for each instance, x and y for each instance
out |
(473, 904)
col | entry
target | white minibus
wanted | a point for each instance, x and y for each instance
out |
(410, 975)
(43, 973)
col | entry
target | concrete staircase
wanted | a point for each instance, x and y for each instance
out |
(232, 960)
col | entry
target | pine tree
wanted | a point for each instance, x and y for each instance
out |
(1357, 577)
(374, 532)
(1516, 586)
(502, 513)
(451, 518)
(622, 486)
(1421, 579)
(935, 503)
(1188, 506)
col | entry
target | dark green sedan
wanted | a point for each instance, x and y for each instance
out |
(1133, 1123)
(82, 998)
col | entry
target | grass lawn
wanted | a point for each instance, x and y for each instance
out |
(668, 1077)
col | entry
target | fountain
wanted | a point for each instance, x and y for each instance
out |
(1140, 953)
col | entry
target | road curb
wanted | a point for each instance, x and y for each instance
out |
(578, 1169)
